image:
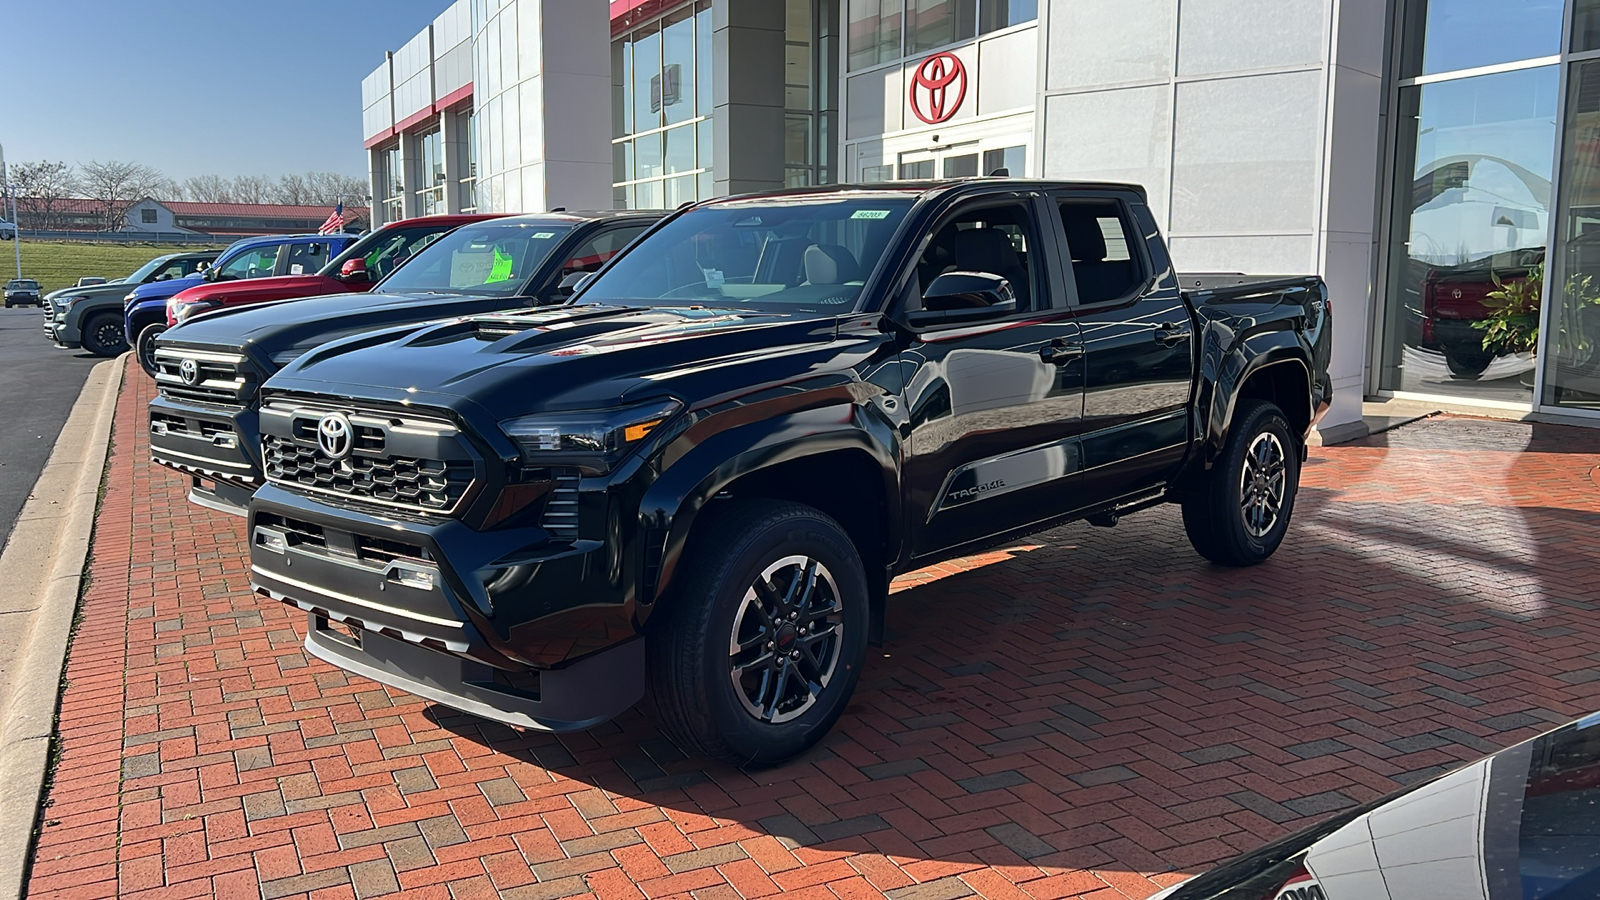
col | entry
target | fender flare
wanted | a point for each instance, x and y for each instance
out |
(670, 506)
(1218, 417)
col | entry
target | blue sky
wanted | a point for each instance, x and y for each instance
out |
(261, 87)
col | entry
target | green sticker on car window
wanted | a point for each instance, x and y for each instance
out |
(542, 235)
(870, 214)
(501, 270)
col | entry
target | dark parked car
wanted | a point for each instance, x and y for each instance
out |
(1523, 823)
(91, 317)
(355, 270)
(208, 369)
(23, 292)
(700, 476)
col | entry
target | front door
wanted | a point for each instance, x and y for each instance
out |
(994, 408)
(1139, 347)
(990, 156)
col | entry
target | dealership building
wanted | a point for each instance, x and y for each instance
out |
(1433, 160)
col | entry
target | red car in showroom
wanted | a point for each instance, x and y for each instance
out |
(362, 265)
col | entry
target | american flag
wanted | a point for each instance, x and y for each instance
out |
(335, 223)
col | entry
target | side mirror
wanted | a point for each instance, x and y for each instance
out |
(571, 281)
(354, 269)
(959, 298)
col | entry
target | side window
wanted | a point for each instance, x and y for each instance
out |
(256, 263)
(170, 270)
(307, 259)
(598, 250)
(1000, 240)
(1104, 266)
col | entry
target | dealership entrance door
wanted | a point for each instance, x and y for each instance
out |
(1006, 155)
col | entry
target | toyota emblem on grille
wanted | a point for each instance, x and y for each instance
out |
(334, 435)
(189, 371)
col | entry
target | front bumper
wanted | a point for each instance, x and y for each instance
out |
(63, 332)
(215, 444)
(502, 624)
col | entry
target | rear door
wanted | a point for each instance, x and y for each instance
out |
(1138, 341)
(994, 408)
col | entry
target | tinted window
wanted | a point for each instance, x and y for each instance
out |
(804, 254)
(1101, 245)
(257, 263)
(998, 240)
(492, 259)
(306, 259)
(385, 250)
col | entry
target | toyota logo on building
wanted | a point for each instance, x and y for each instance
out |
(938, 86)
(189, 371)
(334, 435)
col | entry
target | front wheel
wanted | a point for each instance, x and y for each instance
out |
(767, 636)
(147, 347)
(1241, 511)
(102, 335)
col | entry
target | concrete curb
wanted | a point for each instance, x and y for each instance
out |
(41, 572)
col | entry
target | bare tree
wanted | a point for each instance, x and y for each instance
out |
(292, 190)
(328, 188)
(119, 185)
(208, 189)
(252, 189)
(42, 189)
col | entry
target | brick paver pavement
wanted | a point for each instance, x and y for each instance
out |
(1091, 714)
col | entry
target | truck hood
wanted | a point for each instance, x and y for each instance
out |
(160, 290)
(566, 357)
(94, 290)
(265, 330)
(257, 290)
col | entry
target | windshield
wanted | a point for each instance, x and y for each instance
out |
(143, 272)
(385, 250)
(790, 254)
(25, 283)
(492, 259)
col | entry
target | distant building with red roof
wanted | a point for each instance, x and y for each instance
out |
(182, 217)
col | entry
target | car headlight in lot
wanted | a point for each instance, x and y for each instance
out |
(592, 440)
(182, 312)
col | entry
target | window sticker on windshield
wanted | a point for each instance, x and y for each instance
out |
(870, 214)
(714, 278)
(297, 269)
(501, 270)
(542, 235)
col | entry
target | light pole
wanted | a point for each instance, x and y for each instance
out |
(16, 228)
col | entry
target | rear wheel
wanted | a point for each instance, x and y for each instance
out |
(147, 347)
(764, 645)
(102, 335)
(1240, 514)
(1467, 365)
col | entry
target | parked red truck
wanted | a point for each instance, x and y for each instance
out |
(362, 265)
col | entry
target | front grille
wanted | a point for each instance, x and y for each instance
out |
(298, 533)
(560, 517)
(223, 378)
(429, 485)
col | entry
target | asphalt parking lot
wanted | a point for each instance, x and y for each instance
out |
(38, 384)
(1094, 713)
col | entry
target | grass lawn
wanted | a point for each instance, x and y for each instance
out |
(58, 264)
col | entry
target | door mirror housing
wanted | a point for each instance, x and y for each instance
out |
(959, 298)
(354, 269)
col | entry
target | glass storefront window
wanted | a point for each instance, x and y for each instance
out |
(675, 83)
(1571, 339)
(702, 44)
(874, 32)
(1449, 35)
(934, 23)
(994, 15)
(647, 78)
(621, 108)
(1469, 225)
(1586, 26)
(679, 156)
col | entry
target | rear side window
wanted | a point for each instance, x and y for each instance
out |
(1101, 243)
(305, 259)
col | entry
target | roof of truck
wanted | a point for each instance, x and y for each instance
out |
(942, 186)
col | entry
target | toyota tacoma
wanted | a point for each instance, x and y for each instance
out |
(698, 477)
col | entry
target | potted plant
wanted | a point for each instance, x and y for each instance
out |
(1512, 325)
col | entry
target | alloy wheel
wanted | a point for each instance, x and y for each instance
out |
(1262, 483)
(787, 638)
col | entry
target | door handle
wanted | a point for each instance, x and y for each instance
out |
(1170, 333)
(1060, 352)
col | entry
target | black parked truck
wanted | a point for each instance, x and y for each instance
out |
(698, 477)
(209, 368)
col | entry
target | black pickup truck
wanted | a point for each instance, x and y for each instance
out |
(699, 476)
(208, 369)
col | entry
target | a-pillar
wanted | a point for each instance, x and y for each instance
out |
(747, 96)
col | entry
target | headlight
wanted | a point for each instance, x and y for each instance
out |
(182, 312)
(594, 440)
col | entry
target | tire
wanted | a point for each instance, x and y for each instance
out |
(1235, 524)
(718, 620)
(1467, 366)
(146, 347)
(102, 335)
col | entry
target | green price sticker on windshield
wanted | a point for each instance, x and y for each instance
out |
(501, 270)
(870, 214)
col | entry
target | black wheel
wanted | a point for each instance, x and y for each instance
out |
(1468, 365)
(102, 335)
(147, 347)
(1240, 514)
(765, 641)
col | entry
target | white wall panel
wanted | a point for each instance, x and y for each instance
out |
(1267, 255)
(1247, 155)
(1103, 42)
(1007, 72)
(874, 101)
(1239, 35)
(1117, 135)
